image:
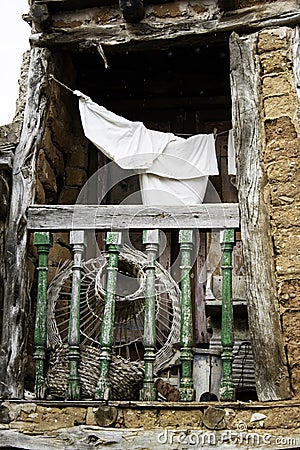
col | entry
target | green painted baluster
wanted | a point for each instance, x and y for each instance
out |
(187, 392)
(151, 240)
(43, 242)
(227, 244)
(77, 240)
(103, 387)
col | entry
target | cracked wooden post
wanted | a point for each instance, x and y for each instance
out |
(227, 244)
(77, 240)
(43, 242)
(113, 241)
(187, 392)
(151, 240)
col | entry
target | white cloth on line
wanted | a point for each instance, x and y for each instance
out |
(231, 154)
(163, 160)
(156, 190)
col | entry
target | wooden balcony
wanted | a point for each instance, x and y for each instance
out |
(78, 219)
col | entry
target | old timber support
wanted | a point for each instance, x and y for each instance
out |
(272, 379)
(16, 296)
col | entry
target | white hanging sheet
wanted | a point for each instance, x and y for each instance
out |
(163, 160)
(156, 190)
(231, 154)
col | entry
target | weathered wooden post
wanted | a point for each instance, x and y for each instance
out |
(187, 392)
(43, 242)
(77, 240)
(103, 387)
(227, 244)
(151, 240)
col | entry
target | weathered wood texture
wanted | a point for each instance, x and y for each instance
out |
(122, 217)
(88, 437)
(272, 379)
(16, 299)
(112, 31)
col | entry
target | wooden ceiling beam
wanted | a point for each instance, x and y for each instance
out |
(117, 34)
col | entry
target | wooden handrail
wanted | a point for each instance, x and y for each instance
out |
(120, 217)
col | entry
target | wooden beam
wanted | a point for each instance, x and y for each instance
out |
(16, 290)
(271, 373)
(122, 217)
(116, 34)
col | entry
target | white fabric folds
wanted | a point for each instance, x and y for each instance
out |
(231, 154)
(172, 170)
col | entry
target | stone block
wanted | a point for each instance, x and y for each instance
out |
(78, 156)
(275, 62)
(293, 354)
(134, 418)
(280, 105)
(69, 195)
(283, 170)
(75, 177)
(54, 155)
(282, 194)
(47, 419)
(40, 196)
(278, 148)
(46, 176)
(287, 417)
(272, 40)
(286, 216)
(276, 85)
(15, 410)
(287, 243)
(295, 380)
(291, 329)
(178, 418)
(281, 130)
(288, 265)
(237, 419)
(90, 417)
(289, 293)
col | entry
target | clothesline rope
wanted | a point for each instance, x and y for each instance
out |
(52, 77)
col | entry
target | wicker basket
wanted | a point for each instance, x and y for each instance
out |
(126, 377)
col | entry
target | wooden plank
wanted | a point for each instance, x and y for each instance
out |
(116, 34)
(16, 289)
(123, 217)
(272, 378)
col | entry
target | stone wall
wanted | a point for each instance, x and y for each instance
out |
(62, 164)
(161, 425)
(280, 108)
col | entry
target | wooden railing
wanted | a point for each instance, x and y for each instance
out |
(44, 220)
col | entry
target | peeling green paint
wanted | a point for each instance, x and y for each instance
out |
(103, 387)
(43, 242)
(77, 239)
(227, 244)
(187, 392)
(151, 240)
